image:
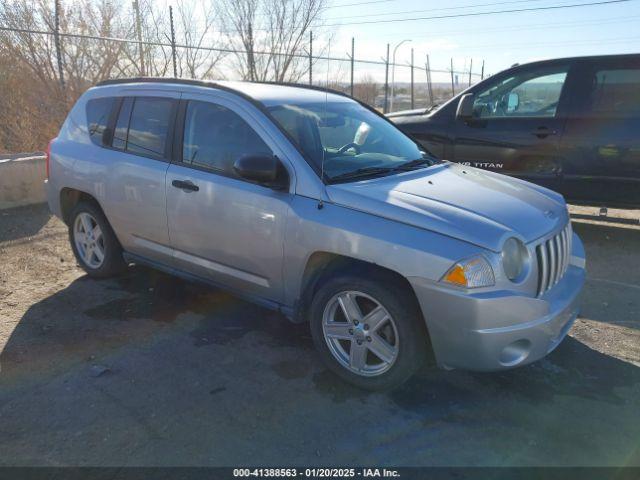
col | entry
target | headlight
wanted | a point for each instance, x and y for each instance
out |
(471, 273)
(514, 258)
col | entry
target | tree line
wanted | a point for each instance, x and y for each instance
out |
(255, 40)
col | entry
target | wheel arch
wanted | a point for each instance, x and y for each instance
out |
(321, 265)
(70, 197)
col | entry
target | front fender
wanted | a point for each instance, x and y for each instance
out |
(404, 249)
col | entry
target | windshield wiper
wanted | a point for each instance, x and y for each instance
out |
(361, 172)
(419, 162)
(373, 171)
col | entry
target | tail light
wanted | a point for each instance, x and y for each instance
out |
(48, 156)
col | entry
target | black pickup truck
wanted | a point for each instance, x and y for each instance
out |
(572, 125)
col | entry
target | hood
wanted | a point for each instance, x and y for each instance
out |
(469, 204)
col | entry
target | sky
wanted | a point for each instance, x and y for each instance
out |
(500, 40)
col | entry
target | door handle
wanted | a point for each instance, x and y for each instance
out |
(185, 185)
(543, 132)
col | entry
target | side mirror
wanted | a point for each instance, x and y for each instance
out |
(465, 107)
(266, 170)
(513, 102)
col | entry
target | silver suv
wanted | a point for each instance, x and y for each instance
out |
(310, 203)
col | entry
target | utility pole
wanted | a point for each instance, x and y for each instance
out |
(386, 82)
(412, 97)
(310, 58)
(173, 43)
(393, 71)
(482, 71)
(453, 89)
(429, 85)
(353, 50)
(470, 69)
(57, 42)
(136, 8)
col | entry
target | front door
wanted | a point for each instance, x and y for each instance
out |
(518, 120)
(603, 133)
(222, 227)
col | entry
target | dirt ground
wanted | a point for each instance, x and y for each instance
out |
(149, 370)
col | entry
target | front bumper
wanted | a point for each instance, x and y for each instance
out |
(500, 329)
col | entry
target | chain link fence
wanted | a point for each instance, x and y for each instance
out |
(370, 80)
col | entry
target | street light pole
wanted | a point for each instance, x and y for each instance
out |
(393, 72)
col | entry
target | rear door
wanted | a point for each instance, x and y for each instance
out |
(138, 156)
(602, 135)
(518, 120)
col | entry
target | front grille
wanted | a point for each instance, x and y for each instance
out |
(553, 259)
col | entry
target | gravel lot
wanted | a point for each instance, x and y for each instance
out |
(150, 370)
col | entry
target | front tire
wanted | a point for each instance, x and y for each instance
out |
(369, 331)
(93, 242)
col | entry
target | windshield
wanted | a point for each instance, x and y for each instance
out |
(353, 141)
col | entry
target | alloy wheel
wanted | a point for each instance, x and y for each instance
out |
(88, 239)
(360, 333)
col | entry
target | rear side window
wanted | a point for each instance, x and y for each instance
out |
(215, 137)
(615, 92)
(122, 125)
(142, 127)
(98, 113)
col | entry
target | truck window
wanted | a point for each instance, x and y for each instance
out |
(614, 92)
(526, 94)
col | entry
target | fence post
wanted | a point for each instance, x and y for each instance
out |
(386, 82)
(310, 58)
(412, 98)
(57, 42)
(353, 49)
(482, 71)
(470, 69)
(173, 43)
(453, 89)
(136, 7)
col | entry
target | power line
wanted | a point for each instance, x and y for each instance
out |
(457, 7)
(214, 49)
(533, 26)
(359, 3)
(569, 42)
(441, 17)
(476, 14)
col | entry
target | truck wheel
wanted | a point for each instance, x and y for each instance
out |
(93, 242)
(368, 332)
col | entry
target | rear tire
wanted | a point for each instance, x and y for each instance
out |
(384, 320)
(93, 242)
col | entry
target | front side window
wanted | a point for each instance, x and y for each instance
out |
(346, 140)
(215, 137)
(98, 113)
(615, 93)
(527, 94)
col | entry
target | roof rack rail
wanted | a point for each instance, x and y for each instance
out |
(213, 84)
(187, 81)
